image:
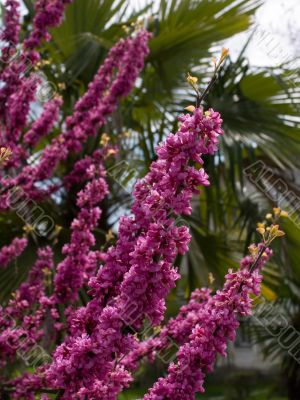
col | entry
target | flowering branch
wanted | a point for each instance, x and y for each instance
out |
(217, 323)
(192, 80)
(12, 251)
(139, 271)
(96, 354)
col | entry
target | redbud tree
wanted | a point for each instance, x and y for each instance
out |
(75, 329)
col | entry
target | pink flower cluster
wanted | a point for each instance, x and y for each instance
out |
(152, 237)
(49, 13)
(20, 84)
(114, 80)
(217, 322)
(17, 109)
(80, 262)
(174, 333)
(138, 272)
(44, 124)
(20, 328)
(98, 351)
(11, 30)
(12, 251)
(91, 111)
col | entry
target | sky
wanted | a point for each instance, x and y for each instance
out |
(277, 35)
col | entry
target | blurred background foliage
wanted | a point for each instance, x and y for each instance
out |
(260, 109)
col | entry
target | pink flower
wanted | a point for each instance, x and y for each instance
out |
(216, 322)
(12, 251)
(138, 273)
(43, 125)
(80, 262)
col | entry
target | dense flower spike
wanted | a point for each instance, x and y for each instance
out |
(49, 13)
(165, 192)
(12, 251)
(91, 111)
(25, 385)
(175, 333)
(16, 96)
(79, 259)
(43, 125)
(218, 322)
(19, 82)
(18, 106)
(138, 273)
(20, 329)
(11, 30)
(33, 290)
